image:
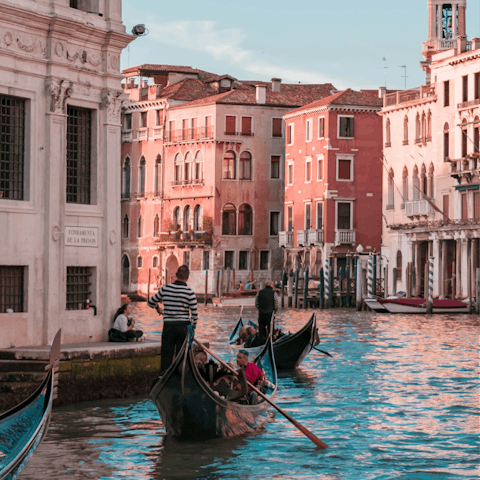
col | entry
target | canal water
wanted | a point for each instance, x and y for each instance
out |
(398, 400)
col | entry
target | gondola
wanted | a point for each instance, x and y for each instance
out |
(191, 410)
(416, 305)
(289, 350)
(23, 427)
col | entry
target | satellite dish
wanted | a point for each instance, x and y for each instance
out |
(139, 30)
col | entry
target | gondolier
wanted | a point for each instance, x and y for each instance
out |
(179, 311)
(266, 302)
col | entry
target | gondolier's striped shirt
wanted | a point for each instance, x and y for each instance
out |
(178, 301)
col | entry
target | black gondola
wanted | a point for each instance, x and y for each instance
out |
(289, 350)
(23, 427)
(191, 410)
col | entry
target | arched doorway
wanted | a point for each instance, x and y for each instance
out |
(125, 273)
(171, 267)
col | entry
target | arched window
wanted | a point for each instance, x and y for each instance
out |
(127, 174)
(424, 127)
(155, 262)
(229, 219)
(429, 127)
(197, 219)
(178, 169)
(199, 167)
(140, 227)
(399, 265)
(424, 181)
(430, 183)
(418, 129)
(405, 184)
(464, 138)
(245, 172)
(391, 190)
(156, 226)
(126, 226)
(476, 136)
(415, 184)
(446, 142)
(245, 219)
(186, 218)
(158, 176)
(141, 177)
(176, 219)
(229, 167)
(139, 261)
(388, 138)
(405, 130)
(188, 168)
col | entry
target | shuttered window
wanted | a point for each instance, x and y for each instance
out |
(230, 128)
(246, 125)
(276, 127)
(344, 169)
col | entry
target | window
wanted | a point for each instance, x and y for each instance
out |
(388, 139)
(429, 127)
(156, 226)
(187, 213)
(171, 131)
(308, 130)
(185, 129)
(178, 169)
(391, 191)
(245, 170)
(208, 127)
(344, 215)
(126, 226)
(418, 129)
(139, 262)
(155, 262)
(344, 169)
(197, 217)
(476, 205)
(275, 166)
(230, 127)
(274, 223)
(247, 126)
(158, 176)
(79, 287)
(290, 218)
(476, 136)
(399, 265)
(277, 127)
(127, 124)
(194, 129)
(176, 219)
(199, 167)
(465, 88)
(206, 259)
(89, 6)
(245, 219)
(143, 119)
(424, 181)
(464, 138)
(126, 178)
(229, 259)
(345, 127)
(186, 258)
(290, 173)
(477, 86)
(405, 185)
(188, 168)
(140, 227)
(464, 205)
(290, 134)
(430, 181)
(12, 288)
(243, 260)
(415, 183)
(308, 216)
(405, 130)
(319, 216)
(446, 142)
(308, 169)
(141, 177)
(229, 166)
(158, 117)
(446, 94)
(319, 168)
(321, 127)
(446, 208)
(264, 257)
(229, 219)
(79, 153)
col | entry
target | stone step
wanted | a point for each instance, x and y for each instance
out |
(30, 366)
(21, 377)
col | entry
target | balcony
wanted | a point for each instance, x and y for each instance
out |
(142, 134)
(127, 136)
(189, 135)
(466, 168)
(345, 237)
(157, 132)
(185, 239)
(469, 104)
(302, 238)
(315, 237)
(416, 208)
(406, 96)
(285, 239)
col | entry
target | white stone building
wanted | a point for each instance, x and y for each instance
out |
(59, 177)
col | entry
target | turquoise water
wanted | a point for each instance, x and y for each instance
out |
(398, 400)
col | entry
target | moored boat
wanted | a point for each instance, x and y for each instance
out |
(416, 305)
(191, 410)
(23, 427)
(289, 350)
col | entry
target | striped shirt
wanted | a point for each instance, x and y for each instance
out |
(178, 302)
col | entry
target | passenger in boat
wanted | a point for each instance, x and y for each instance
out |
(241, 286)
(277, 333)
(253, 339)
(179, 313)
(122, 330)
(266, 303)
(231, 387)
(242, 336)
(252, 373)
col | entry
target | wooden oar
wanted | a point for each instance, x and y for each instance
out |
(322, 351)
(319, 443)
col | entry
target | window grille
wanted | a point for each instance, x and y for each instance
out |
(11, 288)
(12, 147)
(79, 155)
(78, 287)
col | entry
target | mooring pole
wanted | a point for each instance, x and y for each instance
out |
(370, 276)
(321, 288)
(283, 288)
(374, 268)
(341, 277)
(305, 290)
(358, 284)
(326, 283)
(290, 288)
(347, 277)
(330, 281)
(297, 275)
(430, 286)
(478, 290)
(206, 287)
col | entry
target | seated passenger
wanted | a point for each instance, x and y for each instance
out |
(242, 336)
(251, 334)
(241, 286)
(277, 333)
(232, 388)
(252, 373)
(248, 286)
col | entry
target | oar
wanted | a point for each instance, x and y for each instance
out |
(307, 433)
(322, 351)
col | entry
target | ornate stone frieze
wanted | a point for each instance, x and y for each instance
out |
(59, 90)
(85, 58)
(113, 104)
(30, 44)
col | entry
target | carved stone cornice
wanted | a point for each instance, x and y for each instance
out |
(112, 102)
(59, 90)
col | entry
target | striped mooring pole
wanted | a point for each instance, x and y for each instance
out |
(370, 276)
(326, 273)
(430, 285)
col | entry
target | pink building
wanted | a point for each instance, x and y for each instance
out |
(333, 187)
(203, 178)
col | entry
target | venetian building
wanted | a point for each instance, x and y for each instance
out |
(431, 195)
(60, 88)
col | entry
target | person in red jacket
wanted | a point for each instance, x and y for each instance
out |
(252, 372)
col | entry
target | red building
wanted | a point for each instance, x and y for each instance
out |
(333, 179)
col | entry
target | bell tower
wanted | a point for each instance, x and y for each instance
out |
(446, 27)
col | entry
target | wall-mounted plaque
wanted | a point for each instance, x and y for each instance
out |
(81, 236)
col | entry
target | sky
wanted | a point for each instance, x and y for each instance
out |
(348, 43)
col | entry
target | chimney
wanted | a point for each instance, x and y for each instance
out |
(382, 91)
(461, 44)
(131, 83)
(145, 84)
(276, 84)
(261, 94)
(475, 43)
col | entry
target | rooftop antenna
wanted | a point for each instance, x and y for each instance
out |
(404, 74)
(385, 68)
